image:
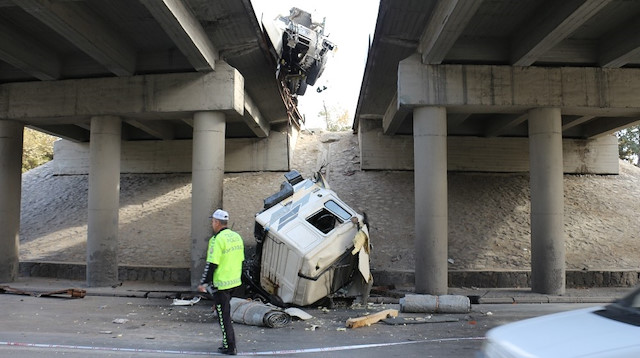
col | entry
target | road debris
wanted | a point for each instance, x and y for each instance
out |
(256, 313)
(72, 292)
(182, 302)
(371, 319)
(298, 313)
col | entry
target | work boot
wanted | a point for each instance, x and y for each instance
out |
(228, 351)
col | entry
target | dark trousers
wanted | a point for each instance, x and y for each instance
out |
(222, 306)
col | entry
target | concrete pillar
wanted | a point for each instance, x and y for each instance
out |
(207, 173)
(104, 201)
(547, 201)
(430, 172)
(10, 190)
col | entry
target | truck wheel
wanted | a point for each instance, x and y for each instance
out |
(302, 89)
(312, 74)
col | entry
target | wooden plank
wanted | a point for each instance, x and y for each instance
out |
(371, 319)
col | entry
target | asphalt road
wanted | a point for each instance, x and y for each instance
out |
(100, 326)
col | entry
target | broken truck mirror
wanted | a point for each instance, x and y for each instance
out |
(310, 245)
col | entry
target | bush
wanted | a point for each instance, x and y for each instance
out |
(37, 149)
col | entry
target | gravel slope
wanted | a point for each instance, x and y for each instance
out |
(489, 223)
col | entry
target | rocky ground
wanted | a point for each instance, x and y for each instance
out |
(489, 224)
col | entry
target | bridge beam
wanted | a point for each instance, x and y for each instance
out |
(179, 22)
(176, 94)
(86, 31)
(580, 91)
(10, 190)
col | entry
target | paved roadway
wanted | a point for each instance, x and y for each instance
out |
(45, 327)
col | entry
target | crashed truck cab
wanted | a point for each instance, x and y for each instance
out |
(310, 245)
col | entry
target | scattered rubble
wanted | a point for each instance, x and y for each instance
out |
(72, 292)
(371, 319)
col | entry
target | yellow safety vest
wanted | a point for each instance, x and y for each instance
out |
(226, 249)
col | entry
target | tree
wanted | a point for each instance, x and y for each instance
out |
(37, 149)
(337, 119)
(629, 144)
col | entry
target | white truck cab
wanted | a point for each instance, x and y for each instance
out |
(305, 243)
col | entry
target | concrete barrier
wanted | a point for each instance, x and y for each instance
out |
(397, 278)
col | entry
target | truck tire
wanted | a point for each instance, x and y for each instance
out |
(302, 89)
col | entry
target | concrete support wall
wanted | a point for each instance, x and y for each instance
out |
(430, 146)
(10, 190)
(175, 156)
(207, 181)
(104, 201)
(547, 201)
(477, 154)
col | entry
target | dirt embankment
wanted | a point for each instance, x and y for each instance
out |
(489, 223)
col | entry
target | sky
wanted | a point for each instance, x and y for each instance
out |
(350, 25)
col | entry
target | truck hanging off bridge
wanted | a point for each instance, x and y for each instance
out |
(300, 47)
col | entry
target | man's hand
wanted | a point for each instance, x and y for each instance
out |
(202, 288)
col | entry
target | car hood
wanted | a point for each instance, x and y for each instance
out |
(578, 333)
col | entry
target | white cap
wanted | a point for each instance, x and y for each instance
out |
(220, 215)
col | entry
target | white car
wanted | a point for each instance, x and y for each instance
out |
(596, 332)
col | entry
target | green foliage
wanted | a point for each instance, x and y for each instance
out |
(629, 144)
(37, 149)
(337, 119)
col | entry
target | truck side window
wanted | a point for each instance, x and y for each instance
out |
(323, 220)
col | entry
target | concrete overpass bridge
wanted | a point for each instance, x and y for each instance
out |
(503, 86)
(137, 86)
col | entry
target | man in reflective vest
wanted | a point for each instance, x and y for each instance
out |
(225, 255)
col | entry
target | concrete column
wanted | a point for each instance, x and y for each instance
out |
(104, 201)
(207, 173)
(430, 172)
(547, 201)
(10, 190)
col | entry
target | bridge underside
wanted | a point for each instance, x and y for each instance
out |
(443, 109)
(103, 112)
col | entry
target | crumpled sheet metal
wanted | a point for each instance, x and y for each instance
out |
(256, 313)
